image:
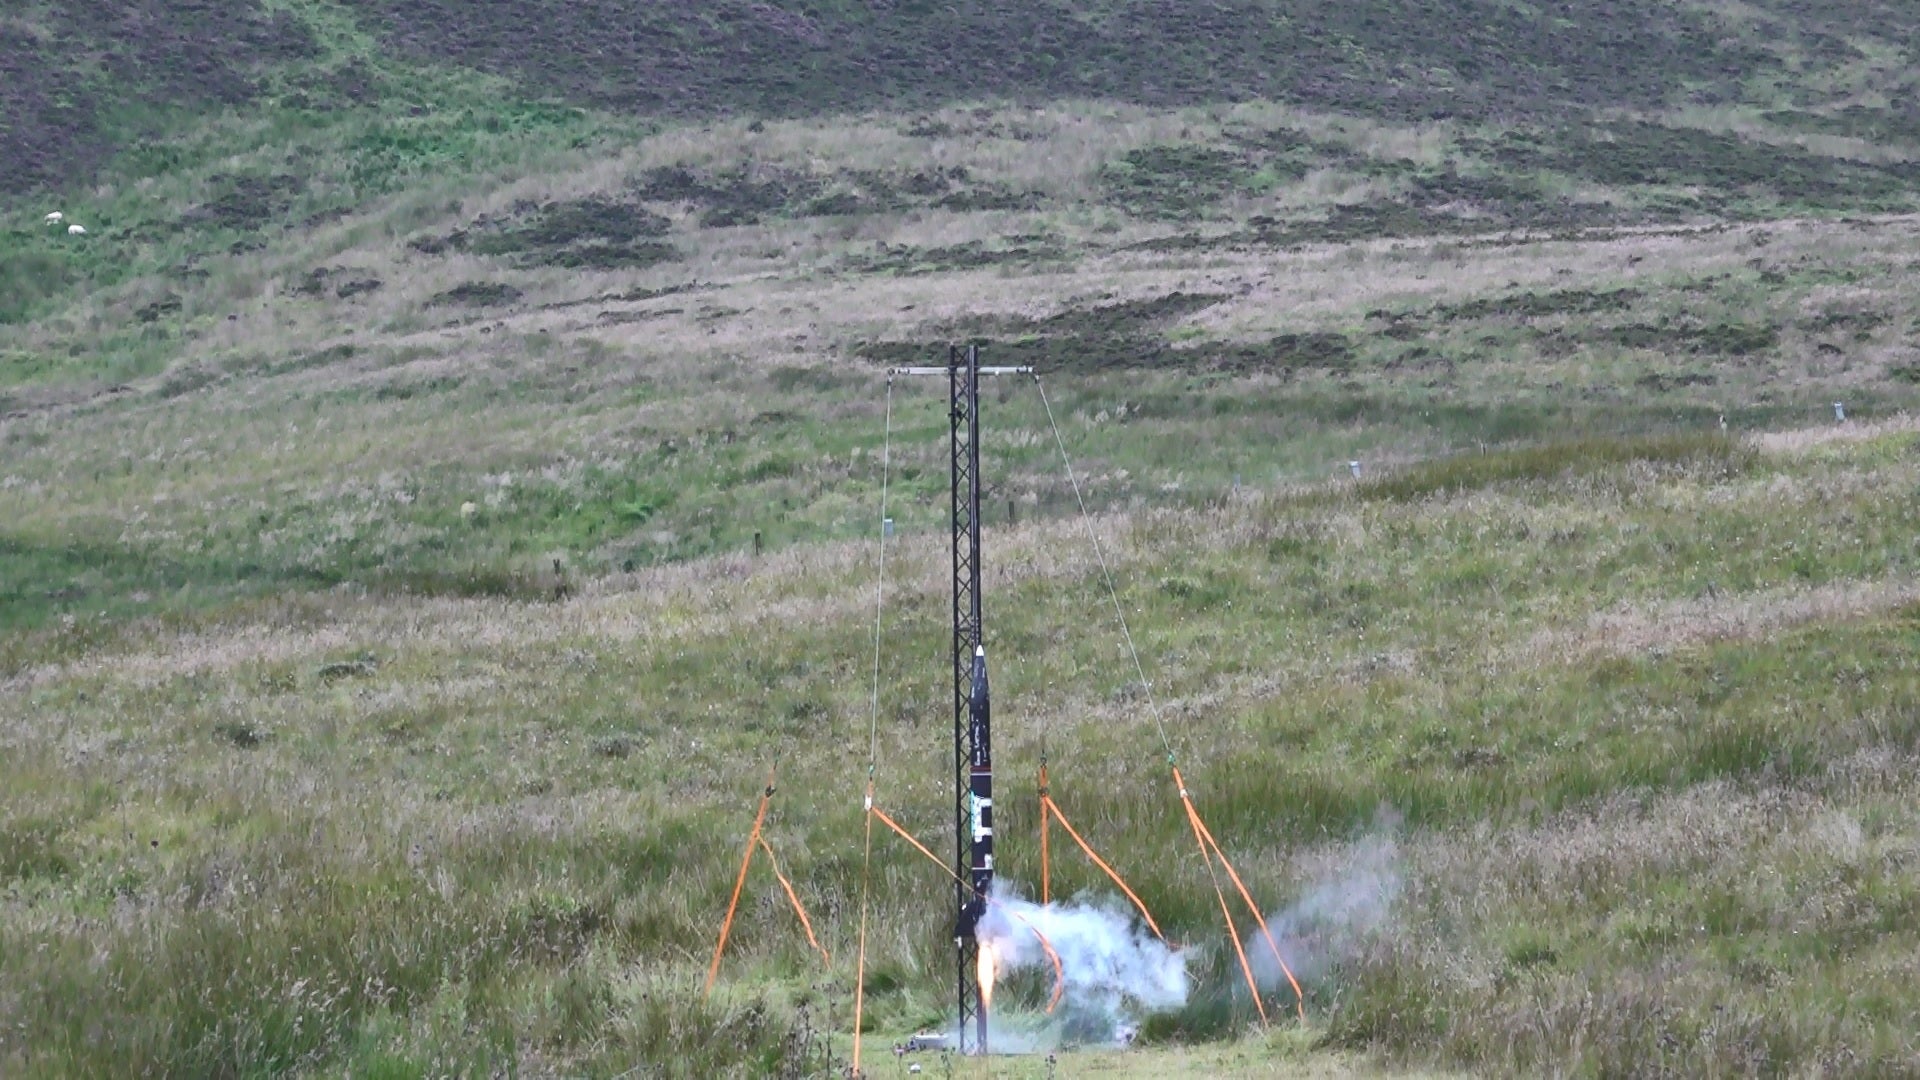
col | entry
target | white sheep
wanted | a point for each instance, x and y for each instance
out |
(76, 230)
(56, 218)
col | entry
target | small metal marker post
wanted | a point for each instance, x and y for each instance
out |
(886, 528)
(1354, 468)
(1839, 413)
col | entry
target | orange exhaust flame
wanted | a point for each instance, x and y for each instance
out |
(984, 969)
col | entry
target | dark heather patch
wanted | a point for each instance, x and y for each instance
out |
(98, 55)
(1724, 339)
(1535, 305)
(973, 255)
(747, 195)
(730, 197)
(1722, 164)
(1129, 334)
(597, 232)
(1859, 324)
(1404, 59)
(1663, 381)
(1412, 325)
(245, 202)
(154, 312)
(1178, 181)
(476, 294)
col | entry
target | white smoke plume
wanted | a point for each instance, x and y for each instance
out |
(1332, 920)
(1115, 970)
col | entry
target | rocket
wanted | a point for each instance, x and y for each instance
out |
(979, 792)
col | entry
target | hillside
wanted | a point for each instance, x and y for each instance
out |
(80, 74)
(444, 477)
(677, 343)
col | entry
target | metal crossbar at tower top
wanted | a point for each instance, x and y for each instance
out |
(948, 371)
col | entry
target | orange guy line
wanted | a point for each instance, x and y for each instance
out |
(860, 966)
(1059, 970)
(1045, 803)
(1233, 932)
(908, 837)
(795, 897)
(759, 819)
(1046, 883)
(1300, 999)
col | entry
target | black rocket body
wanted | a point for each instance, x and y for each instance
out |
(980, 790)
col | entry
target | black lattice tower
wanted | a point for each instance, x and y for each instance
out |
(972, 708)
(972, 745)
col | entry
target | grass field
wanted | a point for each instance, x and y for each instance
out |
(447, 478)
(1643, 722)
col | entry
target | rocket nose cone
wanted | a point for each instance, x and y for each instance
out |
(980, 651)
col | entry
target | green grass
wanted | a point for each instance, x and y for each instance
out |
(509, 852)
(1561, 459)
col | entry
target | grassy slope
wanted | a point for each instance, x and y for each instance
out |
(1647, 723)
(309, 765)
(676, 343)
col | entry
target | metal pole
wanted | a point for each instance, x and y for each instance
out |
(972, 739)
(972, 707)
(963, 385)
